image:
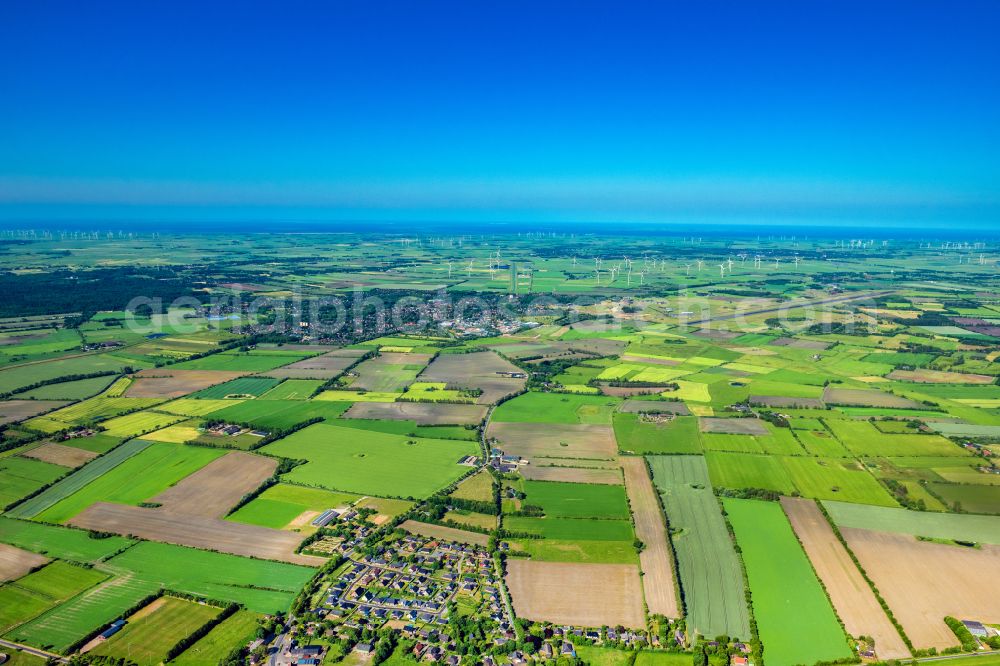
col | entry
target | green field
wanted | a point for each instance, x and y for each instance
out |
(372, 462)
(282, 503)
(259, 361)
(74, 390)
(236, 630)
(710, 573)
(148, 636)
(26, 375)
(820, 478)
(149, 472)
(588, 552)
(679, 435)
(293, 389)
(138, 423)
(77, 480)
(960, 527)
(31, 595)
(56, 541)
(536, 407)
(795, 621)
(240, 387)
(572, 529)
(969, 497)
(864, 439)
(20, 477)
(577, 500)
(279, 414)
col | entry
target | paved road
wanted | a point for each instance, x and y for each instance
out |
(793, 305)
(30, 650)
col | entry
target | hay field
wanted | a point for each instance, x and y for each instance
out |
(850, 594)
(196, 532)
(924, 581)
(60, 454)
(15, 562)
(421, 413)
(475, 370)
(173, 383)
(588, 595)
(655, 558)
(940, 377)
(446, 533)
(218, 486)
(534, 472)
(554, 440)
(733, 426)
(866, 398)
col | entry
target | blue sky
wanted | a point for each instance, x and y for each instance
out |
(823, 112)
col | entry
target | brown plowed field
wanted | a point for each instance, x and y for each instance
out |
(15, 562)
(195, 531)
(849, 592)
(164, 383)
(534, 472)
(18, 410)
(655, 558)
(60, 454)
(588, 595)
(326, 366)
(475, 370)
(923, 582)
(555, 440)
(218, 486)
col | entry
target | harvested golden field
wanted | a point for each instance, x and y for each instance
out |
(555, 440)
(650, 528)
(422, 413)
(60, 454)
(850, 594)
(165, 383)
(195, 531)
(218, 486)
(924, 581)
(15, 562)
(445, 533)
(535, 472)
(588, 595)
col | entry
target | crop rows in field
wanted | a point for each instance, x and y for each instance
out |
(77, 480)
(710, 573)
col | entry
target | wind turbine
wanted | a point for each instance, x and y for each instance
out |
(722, 270)
(688, 268)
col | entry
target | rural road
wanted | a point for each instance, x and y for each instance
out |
(30, 650)
(946, 657)
(793, 305)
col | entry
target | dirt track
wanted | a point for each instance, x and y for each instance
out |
(655, 559)
(923, 582)
(589, 595)
(217, 487)
(198, 532)
(851, 597)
